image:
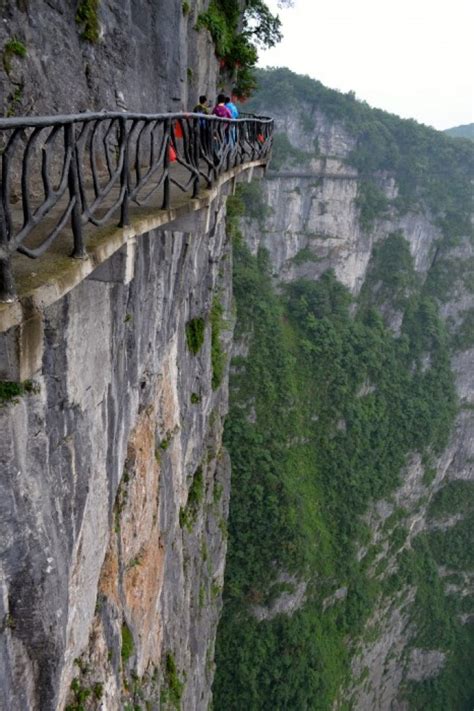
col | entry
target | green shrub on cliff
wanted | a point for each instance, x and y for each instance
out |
(12, 48)
(87, 16)
(195, 331)
(10, 391)
(237, 31)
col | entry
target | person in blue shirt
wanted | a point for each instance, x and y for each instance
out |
(232, 107)
(235, 114)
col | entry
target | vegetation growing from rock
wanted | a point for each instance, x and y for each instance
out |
(236, 36)
(195, 329)
(173, 691)
(285, 154)
(87, 17)
(188, 513)
(218, 357)
(12, 48)
(10, 391)
(128, 646)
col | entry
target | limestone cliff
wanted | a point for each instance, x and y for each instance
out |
(115, 488)
(114, 482)
(141, 56)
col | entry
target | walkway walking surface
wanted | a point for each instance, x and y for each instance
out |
(42, 281)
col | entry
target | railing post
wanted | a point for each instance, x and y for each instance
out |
(166, 168)
(79, 250)
(210, 149)
(196, 152)
(7, 283)
(124, 185)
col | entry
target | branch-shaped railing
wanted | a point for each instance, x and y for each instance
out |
(85, 168)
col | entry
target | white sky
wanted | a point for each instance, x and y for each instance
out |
(413, 58)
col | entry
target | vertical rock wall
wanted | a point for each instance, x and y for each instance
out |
(115, 488)
(148, 57)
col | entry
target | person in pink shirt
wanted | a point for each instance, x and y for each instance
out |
(220, 109)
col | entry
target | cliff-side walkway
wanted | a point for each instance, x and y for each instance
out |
(64, 178)
(77, 191)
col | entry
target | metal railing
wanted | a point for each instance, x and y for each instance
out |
(84, 168)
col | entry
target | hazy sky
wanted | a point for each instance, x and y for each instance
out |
(414, 58)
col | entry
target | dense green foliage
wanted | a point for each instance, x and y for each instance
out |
(237, 32)
(456, 497)
(436, 616)
(310, 449)
(371, 202)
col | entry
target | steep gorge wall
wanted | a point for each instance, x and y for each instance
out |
(115, 486)
(308, 218)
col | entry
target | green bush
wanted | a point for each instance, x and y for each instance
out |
(188, 513)
(372, 203)
(87, 16)
(12, 48)
(195, 332)
(175, 686)
(9, 390)
(128, 645)
(237, 32)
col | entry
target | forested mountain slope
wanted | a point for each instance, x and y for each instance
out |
(350, 567)
(464, 131)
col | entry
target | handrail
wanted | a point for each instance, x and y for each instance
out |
(85, 167)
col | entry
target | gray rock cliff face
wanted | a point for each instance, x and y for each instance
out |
(115, 488)
(148, 58)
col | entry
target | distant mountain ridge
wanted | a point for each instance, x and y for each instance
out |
(465, 131)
